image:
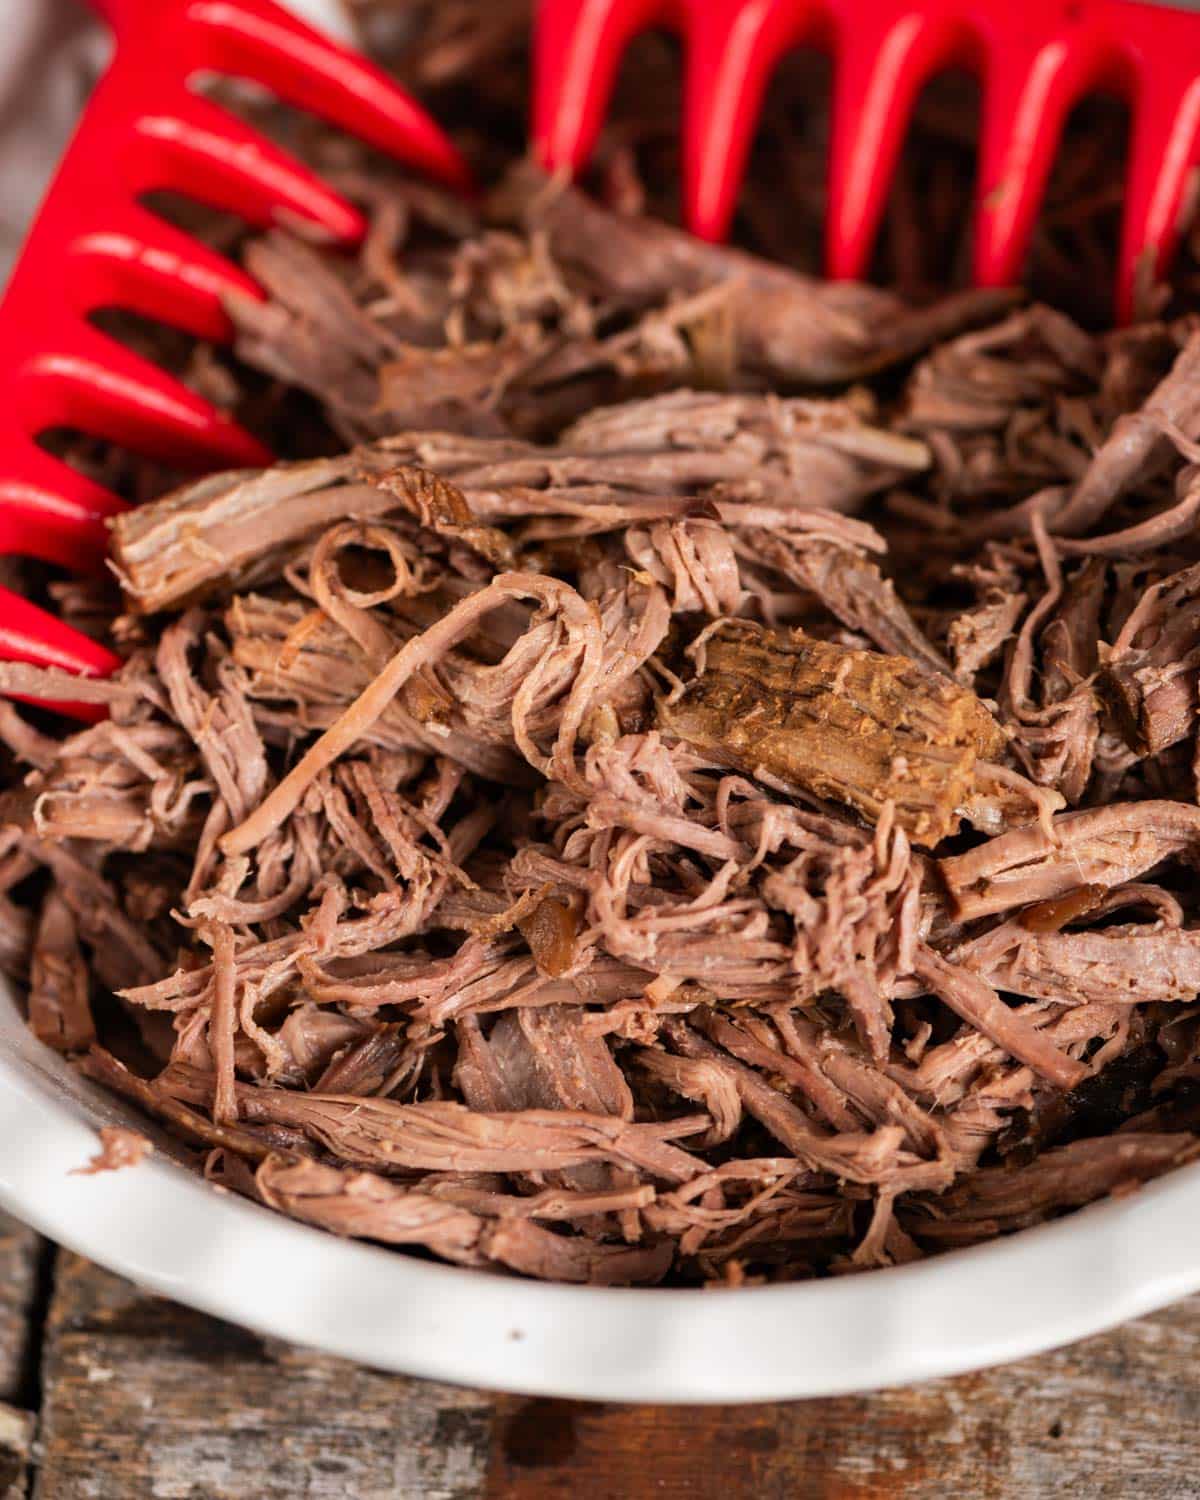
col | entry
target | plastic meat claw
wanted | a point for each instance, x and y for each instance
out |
(1035, 61)
(93, 245)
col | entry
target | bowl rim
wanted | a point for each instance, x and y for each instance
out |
(165, 1229)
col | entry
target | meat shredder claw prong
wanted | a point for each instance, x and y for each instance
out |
(50, 510)
(257, 40)
(883, 61)
(732, 50)
(1036, 61)
(1162, 150)
(106, 390)
(29, 634)
(230, 166)
(142, 263)
(578, 47)
(1027, 97)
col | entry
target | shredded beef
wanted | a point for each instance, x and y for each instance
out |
(623, 803)
(496, 847)
(119, 1147)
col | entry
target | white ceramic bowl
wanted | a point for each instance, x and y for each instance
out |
(174, 1234)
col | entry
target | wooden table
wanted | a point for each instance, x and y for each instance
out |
(110, 1394)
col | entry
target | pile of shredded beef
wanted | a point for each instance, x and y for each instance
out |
(690, 773)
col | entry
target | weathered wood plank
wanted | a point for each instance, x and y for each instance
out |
(16, 1447)
(20, 1249)
(144, 1398)
(1109, 1418)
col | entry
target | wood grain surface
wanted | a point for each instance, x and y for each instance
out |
(111, 1394)
(23, 1261)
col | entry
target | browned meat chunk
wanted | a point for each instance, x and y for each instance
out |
(849, 726)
